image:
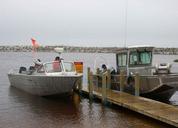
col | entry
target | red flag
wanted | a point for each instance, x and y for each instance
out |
(34, 43)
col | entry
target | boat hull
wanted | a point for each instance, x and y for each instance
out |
(163, 93)
(43, 85)
(156, 87)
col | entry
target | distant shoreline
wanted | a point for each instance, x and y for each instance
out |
(19, 48)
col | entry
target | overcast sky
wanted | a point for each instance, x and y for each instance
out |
(89, 22)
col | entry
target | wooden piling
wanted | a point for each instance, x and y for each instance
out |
(108, 79)
(97, 71)
(137, 84)
(91, 86)
(80, 86)
(104, 88)
(90, 83)
(97, 77)
(121, 81)
(88, 77)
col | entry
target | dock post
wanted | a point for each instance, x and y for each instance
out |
(88, 77)
(108, 79)
(121, 81)
(91, 86)
(80, 86)
(104, 89)
(97, 71)
(137, 84)
(90, 83)
(97, 76)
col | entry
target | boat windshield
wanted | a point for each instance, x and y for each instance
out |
(140, 58)
(69, 67)
(53, 67)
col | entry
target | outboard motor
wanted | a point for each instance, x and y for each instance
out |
(31, 70)
(22, 69)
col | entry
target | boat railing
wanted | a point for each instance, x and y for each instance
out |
(115, 78)
(111, 81)
(137, 81)
(63, 67)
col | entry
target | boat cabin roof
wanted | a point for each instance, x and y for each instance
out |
(140, 48)
(137, 48)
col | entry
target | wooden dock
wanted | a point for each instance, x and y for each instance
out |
(160, 111)
(151, 108)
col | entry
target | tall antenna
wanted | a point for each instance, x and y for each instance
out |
(125, 34)
(125, 25)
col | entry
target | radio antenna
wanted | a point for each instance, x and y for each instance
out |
(125, 25)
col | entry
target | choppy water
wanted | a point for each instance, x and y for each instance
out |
(21, 110)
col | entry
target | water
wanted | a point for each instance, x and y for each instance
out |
(22, 110)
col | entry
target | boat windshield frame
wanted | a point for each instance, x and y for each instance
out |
(62, 67)
(49, 67)
(73, 69)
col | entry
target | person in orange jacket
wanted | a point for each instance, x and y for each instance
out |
(56, 64)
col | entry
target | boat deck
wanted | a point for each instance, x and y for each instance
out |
(151, 108)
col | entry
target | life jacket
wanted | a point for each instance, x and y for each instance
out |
(56, 66)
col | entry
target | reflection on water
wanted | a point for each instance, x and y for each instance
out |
(22, 110)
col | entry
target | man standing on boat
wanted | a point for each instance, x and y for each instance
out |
(56, 64)
(104, 68)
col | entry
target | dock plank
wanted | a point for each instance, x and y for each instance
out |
(154, 109)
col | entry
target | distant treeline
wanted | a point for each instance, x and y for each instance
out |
(168, 51)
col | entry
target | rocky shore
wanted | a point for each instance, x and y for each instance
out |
(167, 51)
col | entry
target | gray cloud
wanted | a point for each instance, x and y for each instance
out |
(89, 22)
